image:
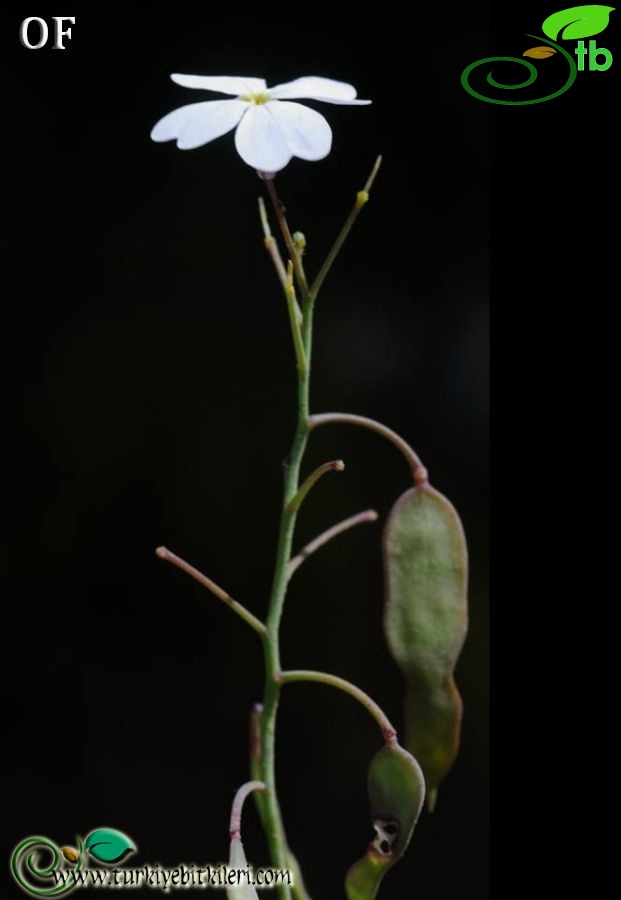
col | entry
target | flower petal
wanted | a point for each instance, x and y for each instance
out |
(306, 132)
(260, 142)
(312, 87)
(224, 84)
(199, 123)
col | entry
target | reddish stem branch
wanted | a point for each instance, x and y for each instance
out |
(368, 515)
(215, 589)
(238, 805)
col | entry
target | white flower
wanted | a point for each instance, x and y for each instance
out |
(269, 128)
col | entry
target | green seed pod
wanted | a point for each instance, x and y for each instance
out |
(425, 618)
(396, 792)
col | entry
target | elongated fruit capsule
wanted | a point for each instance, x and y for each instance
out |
(396, 792)
(425, 619)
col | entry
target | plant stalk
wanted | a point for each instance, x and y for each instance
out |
(274, 830)
(388, 730)
(283, 569)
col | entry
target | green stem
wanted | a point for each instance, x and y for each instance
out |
(335, 465)
(298, 888)
(270, 244)
(273, 824)
(295, 319)
(362, 198)
(386, 727)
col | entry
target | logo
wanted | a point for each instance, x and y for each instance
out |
(569, 24)
(42, 868)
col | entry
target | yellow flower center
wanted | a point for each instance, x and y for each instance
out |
(256, 98)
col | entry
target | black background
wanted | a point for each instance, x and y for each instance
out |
(149, 399)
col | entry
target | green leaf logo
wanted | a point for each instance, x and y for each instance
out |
(108, 845)
(577, 22)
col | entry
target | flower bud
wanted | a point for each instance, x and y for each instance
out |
(300, 241)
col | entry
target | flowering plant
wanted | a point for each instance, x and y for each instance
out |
(269, 128)
(425, 558)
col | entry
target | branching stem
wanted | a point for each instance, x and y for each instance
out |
(294, 253)
(238, 805)
(335, 465)
(388, 731)
(368, 515)
(419, 472)
(270, 244)
(215, 589)
(362, 198)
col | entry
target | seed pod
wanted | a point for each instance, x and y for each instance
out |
(70, 854)
(396, 792)
(425, 619)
